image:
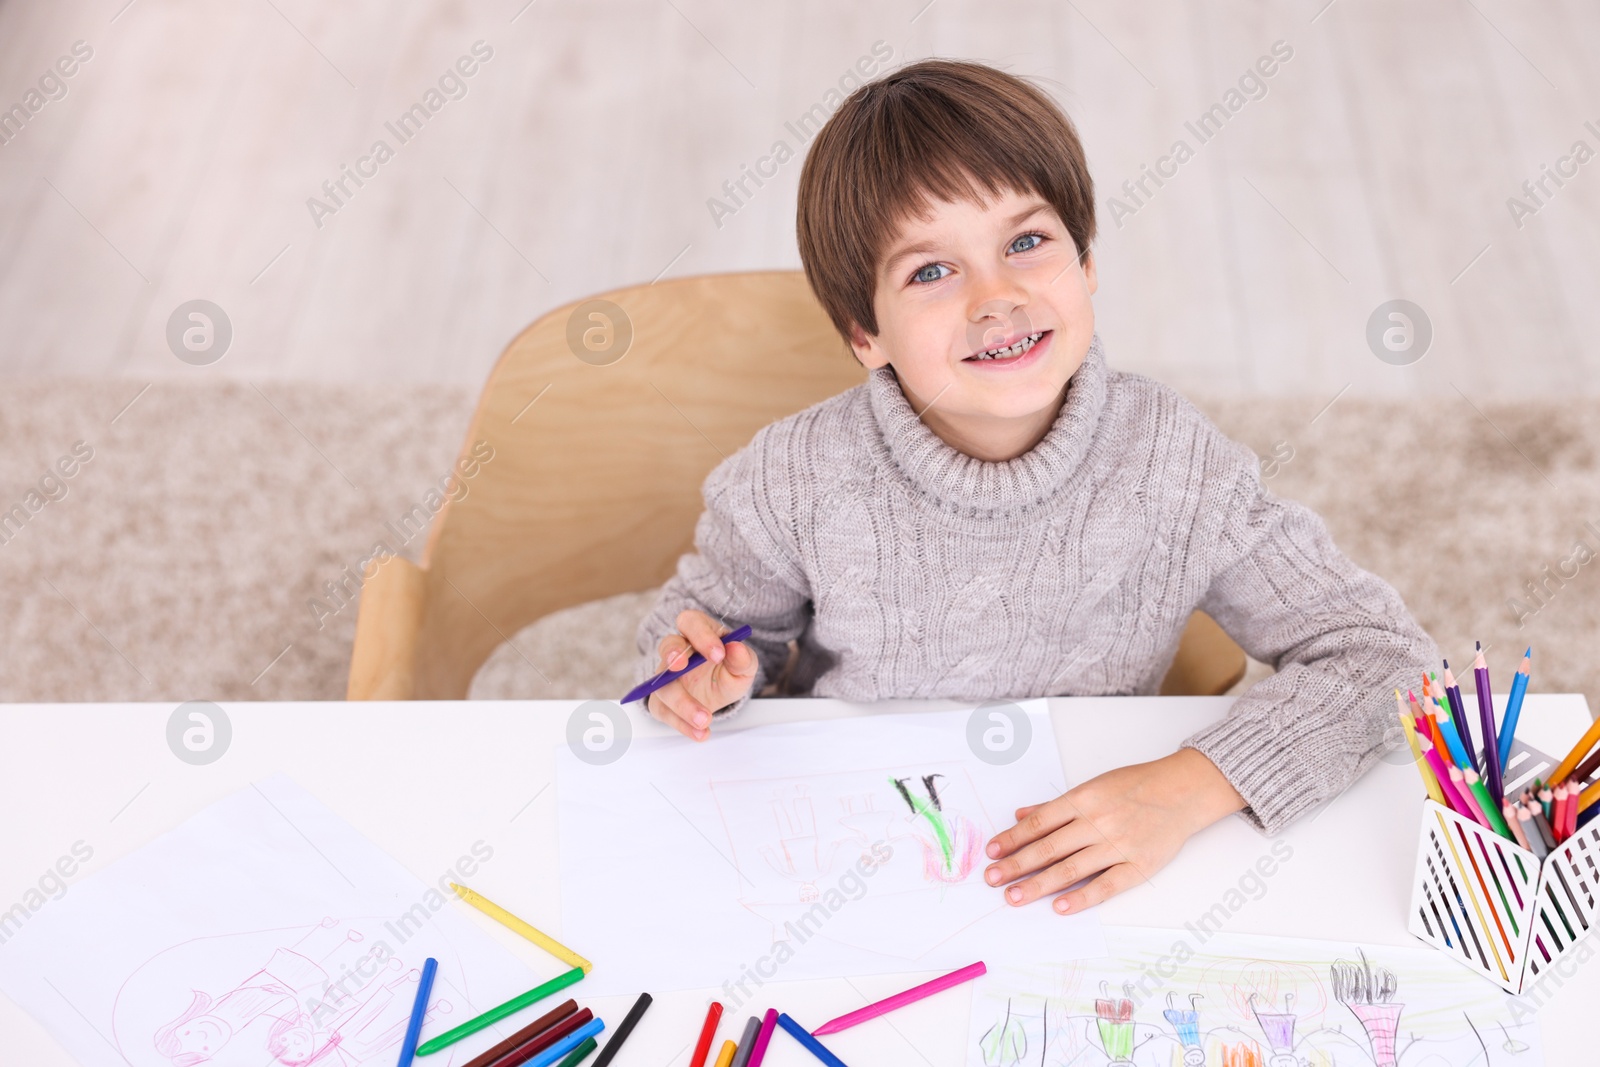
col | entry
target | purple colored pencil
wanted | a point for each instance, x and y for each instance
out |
(1491, 743)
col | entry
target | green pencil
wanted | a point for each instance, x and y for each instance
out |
(576, 1056)
(494, 1015)
(1497, 821)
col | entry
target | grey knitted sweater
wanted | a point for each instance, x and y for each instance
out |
(905, 568)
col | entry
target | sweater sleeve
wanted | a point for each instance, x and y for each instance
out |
(743, 570)
(1339, 637)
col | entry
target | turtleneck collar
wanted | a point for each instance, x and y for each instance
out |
(958, 482)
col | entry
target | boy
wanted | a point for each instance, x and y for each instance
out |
(996, 514)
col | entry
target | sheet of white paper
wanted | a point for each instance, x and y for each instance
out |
(265, 931)
(788, 852)
(1167, 997)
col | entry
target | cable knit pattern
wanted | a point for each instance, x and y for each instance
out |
(905, 568)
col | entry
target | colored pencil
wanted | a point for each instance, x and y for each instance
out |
(708, 1030)
(644, 689)
(1519, 689)
(1473, 812)
(1429, 784)
(1508, 811)
(1574, 795)
(1523, 827)
(909, 996)
(1492, 778)
(576, 1056)
(812, 1045)
(1458, 715)
(1565, 768)
(629, 1021)
(556, 1052)
(1542, 824)
(541, 1041)
(758, 1051)
(419, 1011)
(1547, 802)
(526, 1034)
(1585, 815)
(1452, 741)
(747, 1043)
(1491, 810)
(1587, 798)
(1558, 822)
(725, 1057)
(1535, 838)
(1587, 768)
(495, 1014)
(1453, 799)
(511, 922)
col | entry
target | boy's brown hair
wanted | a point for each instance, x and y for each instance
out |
(927, 130)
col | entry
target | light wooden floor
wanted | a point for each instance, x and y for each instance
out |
(1378, 165)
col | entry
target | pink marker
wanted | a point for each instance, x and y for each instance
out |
(900, 1000)
(769, 1022)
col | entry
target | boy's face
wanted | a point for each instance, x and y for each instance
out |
(965, 281)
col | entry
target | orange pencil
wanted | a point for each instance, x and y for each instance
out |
(1580, 750)
(1588, 797)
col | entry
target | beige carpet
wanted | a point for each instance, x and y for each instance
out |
(179, 561)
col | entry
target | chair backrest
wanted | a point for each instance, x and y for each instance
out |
(605, 416)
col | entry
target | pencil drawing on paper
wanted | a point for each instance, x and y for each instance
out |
(919, 831)
(1236, 1011)
(330, 995)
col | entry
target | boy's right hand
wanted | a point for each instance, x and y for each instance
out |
(686, 703)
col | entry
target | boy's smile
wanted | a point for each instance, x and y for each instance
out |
(984, 313)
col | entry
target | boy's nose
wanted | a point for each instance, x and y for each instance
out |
(997, 322)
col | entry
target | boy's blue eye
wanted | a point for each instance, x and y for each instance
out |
(1036, 238)
(922, 274)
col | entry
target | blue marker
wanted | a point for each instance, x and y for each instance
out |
(567, 1044)
(419, 1009)
(813, 1046)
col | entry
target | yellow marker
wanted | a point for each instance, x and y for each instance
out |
(725, 1057)
(1434, 792)
(505, 918)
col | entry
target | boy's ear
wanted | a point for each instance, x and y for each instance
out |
(1090, 278)
(867, 349)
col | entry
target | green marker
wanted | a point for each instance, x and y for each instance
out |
(576, 1056)
(494, 1015)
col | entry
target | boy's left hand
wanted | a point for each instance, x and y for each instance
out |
(1118, 829)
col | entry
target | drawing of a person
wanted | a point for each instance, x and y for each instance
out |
(206, 1025)
(360, 1032)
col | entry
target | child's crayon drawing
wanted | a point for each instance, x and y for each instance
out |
(813, 850)
(921, 830)
(263, 932)
(1244, 1001)
(331, 995)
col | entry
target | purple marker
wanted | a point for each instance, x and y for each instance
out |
(644, 689)
(768, 1023)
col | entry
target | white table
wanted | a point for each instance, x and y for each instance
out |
(427, 780)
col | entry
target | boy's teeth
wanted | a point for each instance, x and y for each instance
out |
(1011, 350)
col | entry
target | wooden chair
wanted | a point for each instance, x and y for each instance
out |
(604, 417)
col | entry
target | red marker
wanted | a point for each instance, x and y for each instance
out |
(703, 1047)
